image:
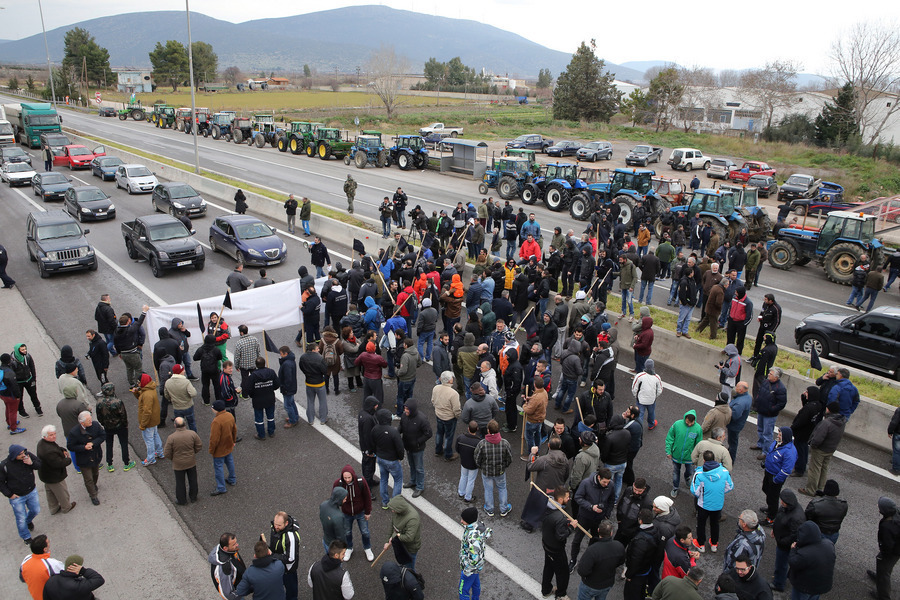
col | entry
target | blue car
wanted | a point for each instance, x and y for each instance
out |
(247, 239)
(104, 167)
(50, 185)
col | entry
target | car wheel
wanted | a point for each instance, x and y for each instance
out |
(812, 340)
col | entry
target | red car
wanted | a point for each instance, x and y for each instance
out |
(749, 169)
(76, 156)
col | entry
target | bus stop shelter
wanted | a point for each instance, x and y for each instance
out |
(463, 157)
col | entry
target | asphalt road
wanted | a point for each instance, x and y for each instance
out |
(295, 470)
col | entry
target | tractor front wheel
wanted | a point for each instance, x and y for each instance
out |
(782, 255)
(507, 187)
(360, 159)
(840, 261)
(482, 188)
(403, 162)
(530, 194)
(556, 198)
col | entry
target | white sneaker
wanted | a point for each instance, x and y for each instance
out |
(370, 556)
(348, 554)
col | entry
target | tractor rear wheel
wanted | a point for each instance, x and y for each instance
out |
(216, 132)
(403, 162)
(530, 194)
(782, 255)
(238, 136)
(382, 159)
(580, 207)
(626, 208)
(360, 159)
(556, 197)
(323, 151)
(311, 149)
(260, 140)
(482, 188)
(840, 261)
(507, 187)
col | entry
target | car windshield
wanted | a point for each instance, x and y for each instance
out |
(169, 231)
(18, 167)
(79, 151)
(90, 195)
(139, 172)
(252, 231)
(6, 129)
(182, 191)
(55, 232)
(51, 178)
(112, 161)
(799, 180)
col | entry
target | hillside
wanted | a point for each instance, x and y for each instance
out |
(288, 43)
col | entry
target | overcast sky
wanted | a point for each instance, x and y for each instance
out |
(721, 35)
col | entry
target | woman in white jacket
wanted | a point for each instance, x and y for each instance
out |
(646, 388)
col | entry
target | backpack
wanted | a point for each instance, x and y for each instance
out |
(330, 354)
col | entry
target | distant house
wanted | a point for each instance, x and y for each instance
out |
(132, 81)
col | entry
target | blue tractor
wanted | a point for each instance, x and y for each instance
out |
(627, 187)
(837, 246)
(719, 208)
(509, 175)
(368, 148)
(408, 151)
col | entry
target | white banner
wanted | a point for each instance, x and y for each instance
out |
(269, 307)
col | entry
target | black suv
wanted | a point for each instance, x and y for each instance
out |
(56, 243)
(870, 340)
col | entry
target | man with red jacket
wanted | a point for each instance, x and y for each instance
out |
(357, 507)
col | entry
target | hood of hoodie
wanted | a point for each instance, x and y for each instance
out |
(646, 323)
(617, 422)
(399, 505)
(383, 416)
(731, 350)
(370, 302)
(808, 533)
(337, 496)
(370, 404)
(412, 405)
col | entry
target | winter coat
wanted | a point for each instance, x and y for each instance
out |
(681, 439)
(811, 561)
(710, 484)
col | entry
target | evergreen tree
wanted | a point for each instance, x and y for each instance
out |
(584, 91)
(170, 63)
(836, 125)
(81, 49)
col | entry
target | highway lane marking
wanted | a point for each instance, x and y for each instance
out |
(840, 455)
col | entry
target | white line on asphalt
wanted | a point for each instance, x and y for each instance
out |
(840, 455)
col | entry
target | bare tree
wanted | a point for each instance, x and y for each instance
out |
(868, 57)
(387, 70)
(700, 96)
(771, 88)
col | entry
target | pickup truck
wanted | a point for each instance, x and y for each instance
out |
(642, 155)
(530, 141)
(441, 128)
(750, 168)
(164, 242)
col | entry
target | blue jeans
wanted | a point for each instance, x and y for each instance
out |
(404, 393)
(676, 473)
(617, 472)
(25, 508)
(417, 468)
(390, 468)
(869, 295)
(264, 418)
(646, 285)
(781, 568)
(567, 389)
(586, 592)
(628, 302)
(444, 433)
(290, 407)
(311, 394)
(467, 479)
(112, 348)
(188, 415)
(360, 519)
(152, 441)
(856, 293)
(798, 595)
(489, 483)
(305, 225)
(651, 413)
(533, 435)
(684, 318)
(469, 586)
(426, 341)
(765, 431)
(219, 464)
(895, 455)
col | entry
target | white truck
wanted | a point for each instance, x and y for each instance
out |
(442, 129)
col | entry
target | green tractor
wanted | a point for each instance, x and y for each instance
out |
(165, 117)
(368, 149)
(134, 110)
(330, 142)
(298, 139)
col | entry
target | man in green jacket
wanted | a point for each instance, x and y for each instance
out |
(680, 441)
(407, 528)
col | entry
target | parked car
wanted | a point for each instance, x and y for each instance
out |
(107, 111)
(178, 198)
(764, 183)
(14, 154)
(594, 151)
(104, 167)
(89, 203)
(870, 340)
(135, 179)
(50, 185)
(719, 168)
(57, 243)
(16, 173)
(247, 239)
(688, 159)
(532, 141)
(76, 156)
(564, 148)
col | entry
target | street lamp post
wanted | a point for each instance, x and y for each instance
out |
(47, 47)
(194, 125)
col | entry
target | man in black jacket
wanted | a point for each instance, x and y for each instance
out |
(388, 453)
(415, 433)
(17, 483)
(888, 548)
(597, 567)
(261, 387)
(366, 422)
(75, 583)
(596, 502)
(555, 529)
(643, 553)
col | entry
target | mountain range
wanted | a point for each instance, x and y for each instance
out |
(341, 39)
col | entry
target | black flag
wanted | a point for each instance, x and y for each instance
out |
(358, 246)
(402, 245)
(270, 345)
(200, 319)
(227, 301)
(814, 361)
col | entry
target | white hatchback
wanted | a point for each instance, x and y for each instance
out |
(135, 179)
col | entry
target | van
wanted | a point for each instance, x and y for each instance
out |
(56, 242)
